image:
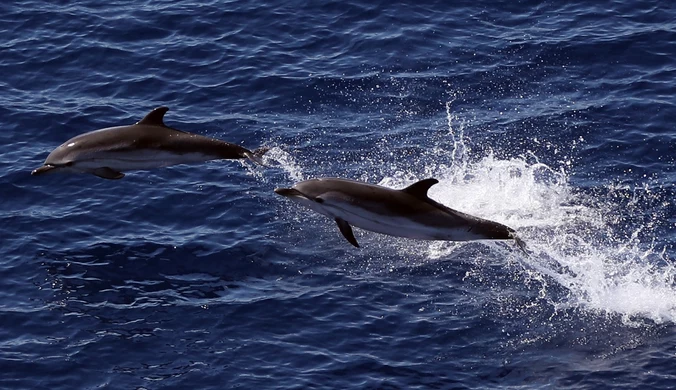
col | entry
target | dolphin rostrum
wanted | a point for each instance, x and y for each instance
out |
(408, 212)
(147, 144)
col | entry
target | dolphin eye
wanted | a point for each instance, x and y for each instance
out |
(319, 200)
(68, 164)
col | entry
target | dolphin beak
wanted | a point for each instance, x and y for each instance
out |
(43, 169)
(288, 192)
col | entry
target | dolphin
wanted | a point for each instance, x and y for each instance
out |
(147, 144)
(408, 212)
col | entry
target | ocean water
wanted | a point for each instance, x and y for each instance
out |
(555, 118)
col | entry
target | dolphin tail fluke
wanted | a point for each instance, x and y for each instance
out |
(256, 155)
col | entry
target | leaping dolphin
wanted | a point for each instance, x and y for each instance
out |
(147, 144)
(403, 213)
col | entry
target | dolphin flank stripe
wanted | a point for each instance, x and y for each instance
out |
(147, 144)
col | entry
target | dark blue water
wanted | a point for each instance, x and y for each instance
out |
(555, 118)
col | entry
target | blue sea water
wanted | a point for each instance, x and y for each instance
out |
(555, 118)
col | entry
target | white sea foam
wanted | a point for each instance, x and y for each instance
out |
(277, 157)
(286, 162)
(574, 237)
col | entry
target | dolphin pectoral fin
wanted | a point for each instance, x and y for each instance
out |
(346, 230)
(419, 189)
(107, 173)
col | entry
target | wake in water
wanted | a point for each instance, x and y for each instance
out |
(573, 237)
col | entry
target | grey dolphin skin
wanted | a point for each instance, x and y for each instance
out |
(408, 212)
(147, 144)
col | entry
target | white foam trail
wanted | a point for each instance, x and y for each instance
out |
(277, 157)
(573, 236)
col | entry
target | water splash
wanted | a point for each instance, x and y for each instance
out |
(278, 158)
(285, 161)
(576, 238)
(460, 150)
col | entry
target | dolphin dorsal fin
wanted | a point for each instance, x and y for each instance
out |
(419, 189)
(154, 118)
